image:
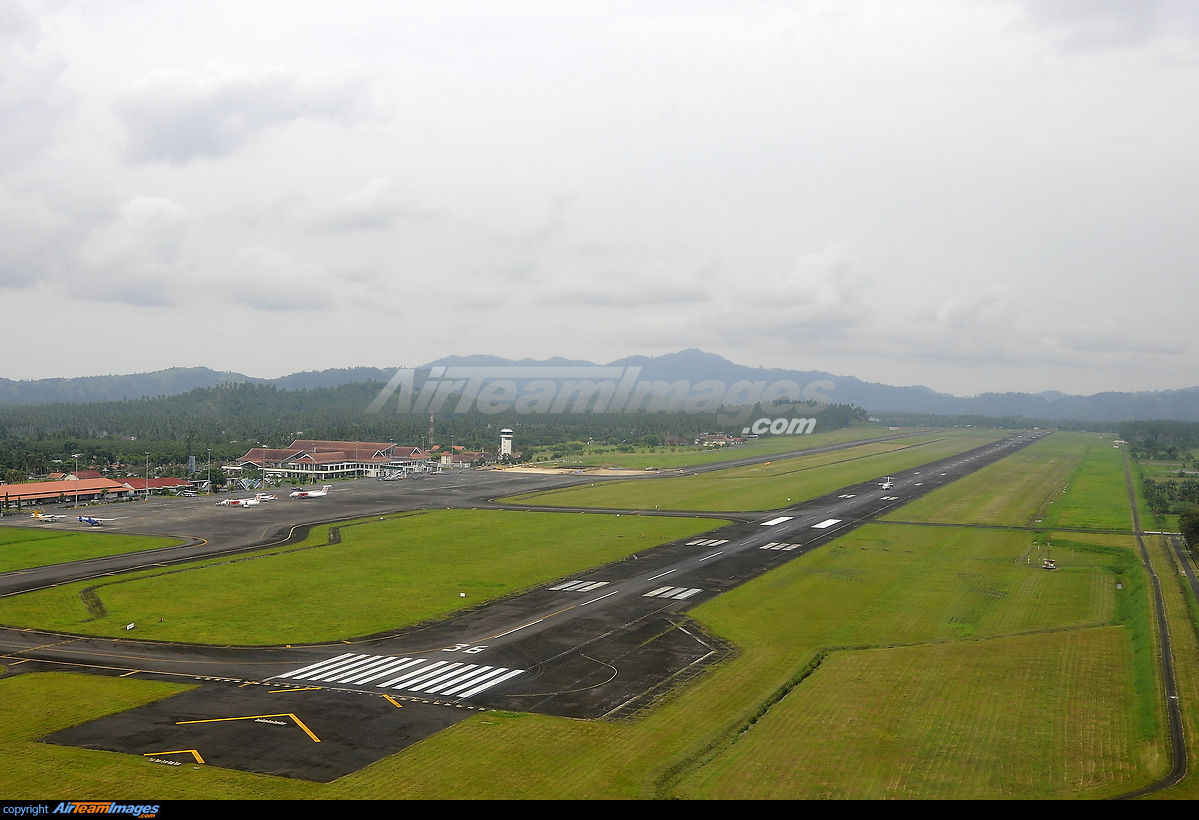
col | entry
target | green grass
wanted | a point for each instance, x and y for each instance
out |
(898, 661)
(761, 486)
(884, 586)
(22, 548)
(383, 575)
(1014, 491)
(1096, 495)
(691, 456)
(1034, 716)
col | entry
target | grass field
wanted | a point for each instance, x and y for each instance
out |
(383, 575)
(661, 458)
(22, 548)
(1096, 496)
(944, 721)
(761, 486)
(936, 591)
(1015, 491)
(897, 661)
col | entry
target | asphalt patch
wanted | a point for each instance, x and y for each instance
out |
(308, 734)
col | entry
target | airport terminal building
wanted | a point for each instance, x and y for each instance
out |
(308, 460)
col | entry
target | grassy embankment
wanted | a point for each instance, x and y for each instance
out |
(762, 486)
(896, 661)
(22, 548)
(383, 575)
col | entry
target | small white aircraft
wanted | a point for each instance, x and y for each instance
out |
(38, 515)
(888, 483)
(94, 522)
(321, 493)
(238, 502)
(265, 497)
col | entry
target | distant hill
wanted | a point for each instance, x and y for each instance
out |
(170, 382)
(690, 365)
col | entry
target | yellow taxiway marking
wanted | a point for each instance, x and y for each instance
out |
(130, 672)
(393, 701)
(299, 722)
(193, 752)
(296, 689)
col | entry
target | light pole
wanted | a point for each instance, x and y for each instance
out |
(76, 457)
(147, 475)
(210, 471)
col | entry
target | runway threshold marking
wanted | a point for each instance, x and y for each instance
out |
(193, 752)
(299, 722)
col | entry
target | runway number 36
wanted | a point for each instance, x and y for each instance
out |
(465, 648)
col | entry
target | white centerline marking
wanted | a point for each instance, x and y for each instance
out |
(659, 575)
(713, 555)
(518, 629)
(600, 598)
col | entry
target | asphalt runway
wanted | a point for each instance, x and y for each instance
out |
(603, 644)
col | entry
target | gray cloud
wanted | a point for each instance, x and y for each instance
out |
(374, 207)
(135, 258)
(176, 116)
(270, 279)
(1090, 24)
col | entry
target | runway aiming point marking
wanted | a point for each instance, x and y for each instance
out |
(450, 678)
(778, 520)
(824, 525)
(677, 593)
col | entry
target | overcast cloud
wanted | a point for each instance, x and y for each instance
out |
(985, 195)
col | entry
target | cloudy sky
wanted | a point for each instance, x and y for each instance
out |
(982, 195)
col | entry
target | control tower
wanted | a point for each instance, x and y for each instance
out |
(505, 442)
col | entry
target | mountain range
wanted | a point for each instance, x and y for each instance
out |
(690, 365)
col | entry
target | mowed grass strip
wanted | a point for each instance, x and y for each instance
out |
(22, 548)
(693, 456)
(760, 486)
(1034, 716)
(383, 575)
(1096, 496)
(1015, 491)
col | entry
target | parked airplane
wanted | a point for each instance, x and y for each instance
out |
(321, 493)
(888, 483)
(94, 522)
(49, 519)
(265, 497)
(238, 502)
